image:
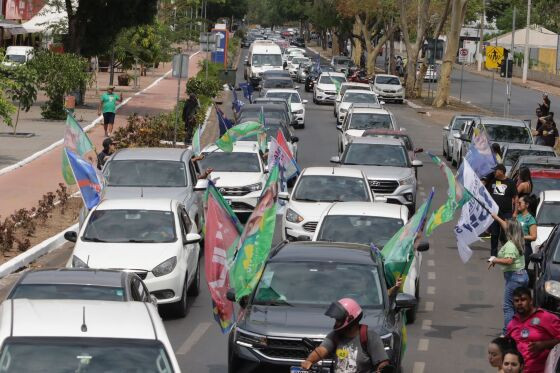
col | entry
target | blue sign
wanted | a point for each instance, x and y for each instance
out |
(220, 55)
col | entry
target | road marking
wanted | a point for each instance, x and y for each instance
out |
(193, 338)
(431, 290)
(423, 344)
(426, 324)
(431, 263)
(418, 367)
(429, 306)
(431, 275)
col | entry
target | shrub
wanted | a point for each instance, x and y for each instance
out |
(204, 87)
(148, 131)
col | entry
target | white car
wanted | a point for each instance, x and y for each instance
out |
(388, 88)
(345, 87)
(325, 89)
(355, 96)
(548, 215)
(240, 175)
(361, 117)
(290, 57)
(456, 125)
(315, 189)
(83, 336)
(297, 105)
(369, 223)
(155, 238)
(293, 66)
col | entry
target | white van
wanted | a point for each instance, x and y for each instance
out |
(17, 55)
(263, 55)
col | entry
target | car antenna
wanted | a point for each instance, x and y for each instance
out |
(141, 192)
(87, 261)
(332, 171)
(84, 326)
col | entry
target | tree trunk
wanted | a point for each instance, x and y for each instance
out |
(458, 11)
(17, 117)
(324, 41)
(392, 69)
(373, 52)
(335, 44)
(420, 78)
(357, 44)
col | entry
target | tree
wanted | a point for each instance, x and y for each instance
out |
(147, 44)
(21, 87)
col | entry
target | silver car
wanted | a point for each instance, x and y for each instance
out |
(512, 152)
(456, 125)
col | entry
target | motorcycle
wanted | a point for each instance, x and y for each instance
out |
(358, 76)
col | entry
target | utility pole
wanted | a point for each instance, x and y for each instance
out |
(482, 19)
(526, 52)
(508, 86)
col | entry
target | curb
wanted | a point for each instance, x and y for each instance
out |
(23, 259)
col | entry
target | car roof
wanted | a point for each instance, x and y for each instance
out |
(160, 154)
(528, 147)
(369, 110)
(551, 195)
(65, 318)
(539, 159)
(377, 141)
(333, 171)
(270, 99)
(318, 251)
(73, 276)
(366, 91)
(354, 84)
(381, 209)
(332, 73)
(149, 204)
(238, 147)
(287, 90)
(387, 75)
(503, 121)
(266, 107)
(544, 173)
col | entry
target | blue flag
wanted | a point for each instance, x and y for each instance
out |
(236, 104)
(480, 156)
(247, 91)
(87, 178)
(224, 124)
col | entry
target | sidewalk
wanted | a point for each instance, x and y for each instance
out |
(23, 187)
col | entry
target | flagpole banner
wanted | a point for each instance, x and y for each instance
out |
(256, 240)
(87, 178)
(224, 124)
(236, 133)
(480, 155)
(277, 155)
(196, 142)
(475, 218)
(76, 140)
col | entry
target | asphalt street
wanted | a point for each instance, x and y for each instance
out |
(460, 309)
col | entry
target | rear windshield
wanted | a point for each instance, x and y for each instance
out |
(231, 162)
(68, 291)
(366, 121)
(504, 133)
(327, 79)
(285, 95)
(360, 98)
(387, 80)
(145, 173)
(278, 83)
(267, 60)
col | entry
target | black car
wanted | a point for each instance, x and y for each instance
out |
(251, 112)
(547, 273)
(270, 74)
(298, 42)
(299, 281)
(313, 75)
(246, 41)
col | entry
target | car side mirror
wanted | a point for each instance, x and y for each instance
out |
(192, 238)
(294, 139)
(201, 185)
(284, 196)
(419, 150)
(423, 246)
(417, 163)
(296, 87)
(71, 236)
(305, 101)
(457, 136)
(381, 102)
(405, 301)
(536, 257)
(339, 127)
(446, 128)
(335, 159)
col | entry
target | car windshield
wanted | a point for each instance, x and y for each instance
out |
(285, 95)
(231, 162)
(328, 188)
(404, 138)
(364, 121)
(360, 98)
(375, 155)
(138, 226)
(146, 173)
(278, 115)
(267, 59)
(505, 133)
(68, 291)
(327, 79)
(387, 80)
(358, 229)
(540, 184)
(303, 283)
(458, 123)
(278, 83)
(84, 354)
(18, 58)
(512, 155)
(549, 214)
(345, 88)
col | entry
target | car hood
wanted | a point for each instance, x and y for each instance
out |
(235, 179)
(138, 256)
(296, 106)
(384, 172)
(282, 321)
(326, 87)
(310, 211)
(116, 192)
(388, 86)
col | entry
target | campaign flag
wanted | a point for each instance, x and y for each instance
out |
(278, 156)
(398, 252)
(236, 104)
(256, 240)
(247, 91)
(235, 133)
(475, 218)
(456, 198)
(76, 140)
(224, 123)
(480, 155)
(336, 84)
(283, 143)
(196, 142)
(223, 230)
(87, 178)
(261, 137)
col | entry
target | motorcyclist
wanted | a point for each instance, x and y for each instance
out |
(355, 348)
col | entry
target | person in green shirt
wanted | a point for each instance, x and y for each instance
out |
(108, 103)
(528, 223)
(511, 257)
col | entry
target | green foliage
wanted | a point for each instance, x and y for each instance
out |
(58, 75)
(543, 12)
(276, 12)
(147, 131)
(21, 87)
(149, 44)
(204, 87)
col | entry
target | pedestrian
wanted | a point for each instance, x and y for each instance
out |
(513, 362)
(355, 348)
(108, 150)
(524, 182)
(108, 103)
(504, 192)
(189, 110)
(534, 330)
(496, 351)
(497, 152)
(548, 132)
(528, 223)
(512, 259)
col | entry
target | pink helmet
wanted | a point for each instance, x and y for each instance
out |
(345, 311)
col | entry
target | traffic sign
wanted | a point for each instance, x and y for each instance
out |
(208, 42)
(494, 56)
(463, 55)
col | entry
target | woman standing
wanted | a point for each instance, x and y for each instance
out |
(524, 182)
(496, 350)
(525, 205)
(510, 256)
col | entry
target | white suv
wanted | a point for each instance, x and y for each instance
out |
(315, 189)
(345, 87)
(83, 336)
(325, 89)
(388, 88)
(297, 105)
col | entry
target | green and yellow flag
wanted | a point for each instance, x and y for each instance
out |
(336, 84)
(76, 140)
(238, 132)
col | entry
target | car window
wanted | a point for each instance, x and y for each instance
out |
(387, 80)
(139, 291)
(285, 95)
(358, 229)
(267, 59)
(375, 155)
(186, 224)
(540, 184)
(512, 155)
(505, 133)
(459, 123)
(192, 173)
(68, 291)
(324, 188)
(145, 173)
(231, 162)
(364, 121)
(359, 97)
(549, 214)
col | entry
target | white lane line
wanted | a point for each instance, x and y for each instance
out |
(431, 290)
(426, 324)
(429, 306)
(431, 263)
(431, 275)
(423, 344)
(418, 367)
(193, 338)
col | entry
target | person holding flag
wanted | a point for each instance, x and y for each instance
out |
(108, 150)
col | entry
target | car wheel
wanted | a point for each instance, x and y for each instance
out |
(179, 309)
(194, 289)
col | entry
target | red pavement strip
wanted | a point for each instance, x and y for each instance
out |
(24, 186)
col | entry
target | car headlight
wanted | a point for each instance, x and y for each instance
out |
(293, 217)
(165, 268)
(249, 339)
(319, 90)
(388, 341)
(78, 263)
(254, 187)
(399, 89)
(552, 288)
(300, 111)
(408, 180)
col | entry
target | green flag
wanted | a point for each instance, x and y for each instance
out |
(196, 142)
(456, 198)
(336, 84)
(256, 240)
(236, 133)
(76, 140)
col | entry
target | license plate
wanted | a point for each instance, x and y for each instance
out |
(228, 201)
(298, 370)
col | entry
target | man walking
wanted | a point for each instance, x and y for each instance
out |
(108, 103)
(504, 192)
